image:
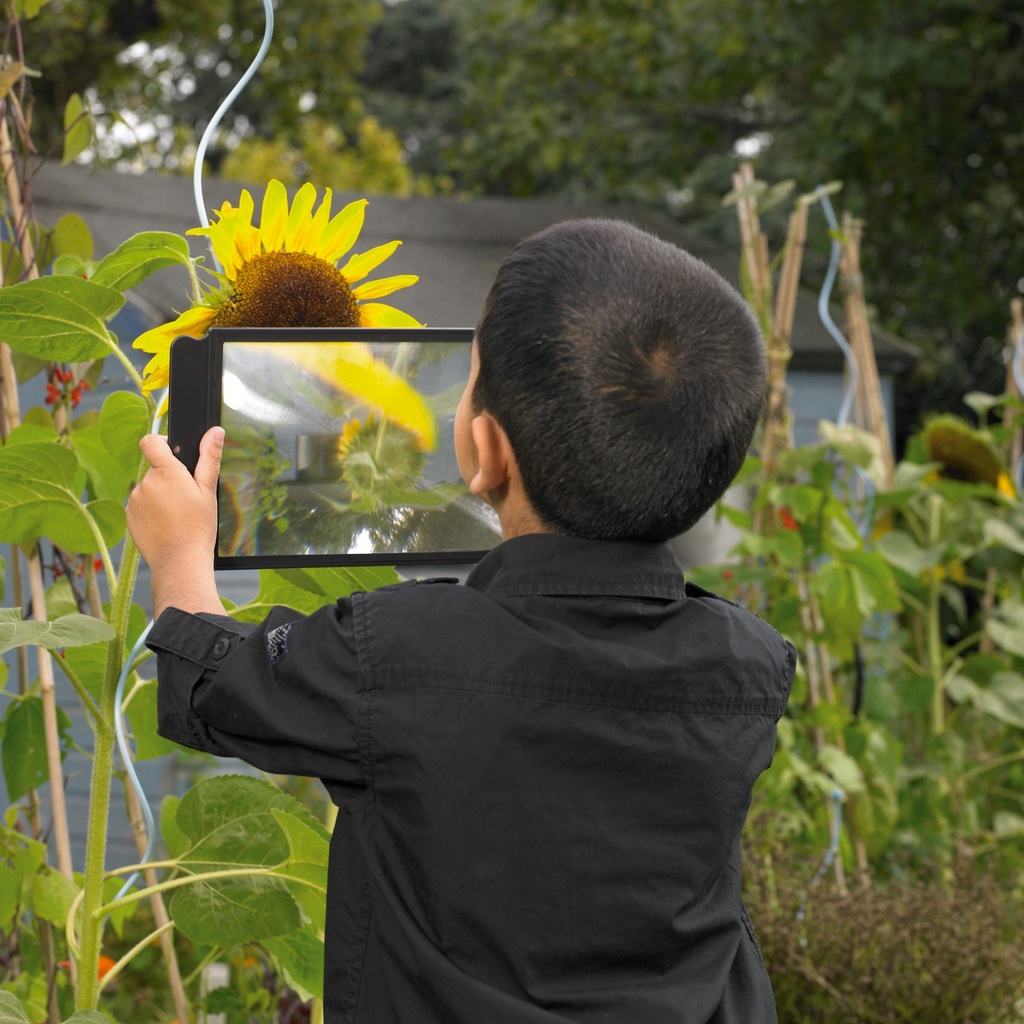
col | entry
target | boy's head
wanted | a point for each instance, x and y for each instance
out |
(627, 375)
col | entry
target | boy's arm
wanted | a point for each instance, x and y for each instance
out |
(172, 517)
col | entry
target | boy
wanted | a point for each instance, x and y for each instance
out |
(542, 775)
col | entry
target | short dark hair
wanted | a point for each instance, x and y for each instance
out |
(628, 375)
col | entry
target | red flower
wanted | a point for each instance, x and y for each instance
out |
(787, 520)
(53, 393)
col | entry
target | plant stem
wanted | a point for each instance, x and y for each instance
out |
(99, 796)
(933, 626)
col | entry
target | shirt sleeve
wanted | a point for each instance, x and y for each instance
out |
(283, 695)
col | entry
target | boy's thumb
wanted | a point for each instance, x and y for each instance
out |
(208, 466)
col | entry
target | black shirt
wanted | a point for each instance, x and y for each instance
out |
(542, 777)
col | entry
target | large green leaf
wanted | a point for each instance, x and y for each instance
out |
(74, 630)
(59, 318)
(230, 911)
(300, 956)
(138, 257)
(335, 582)
(229, 823)
(106, 475)
(38, 499)
(901, 550)
(20, 856)
(1007, 629)
(123, 421)
(307, 861)
(24, 745)
(52, 896)
(11, 1010)
(72, 237)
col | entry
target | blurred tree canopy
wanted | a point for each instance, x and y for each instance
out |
(162, 67)
(914, 106)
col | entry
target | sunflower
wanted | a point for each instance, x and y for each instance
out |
(283, 273)
(965, 453)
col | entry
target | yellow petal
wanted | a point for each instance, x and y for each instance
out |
(222, 241)
(297, 228)
(1004, 485)
(318, 224)
(384, 286)
(353, 368)
(341, 233)
(156, 373)
(359, 266)
(193, 321)
(274, 216)
(377, 314)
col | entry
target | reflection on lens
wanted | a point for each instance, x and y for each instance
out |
(345, 447)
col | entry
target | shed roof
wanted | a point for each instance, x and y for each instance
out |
(454, 245)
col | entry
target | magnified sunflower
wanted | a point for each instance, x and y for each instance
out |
(283, 273)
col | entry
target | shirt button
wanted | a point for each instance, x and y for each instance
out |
(220, 648)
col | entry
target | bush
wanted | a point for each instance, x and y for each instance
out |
(899, 953)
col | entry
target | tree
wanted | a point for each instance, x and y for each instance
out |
(912, 106)
(168, 65)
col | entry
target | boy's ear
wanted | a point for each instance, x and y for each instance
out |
(495, 461)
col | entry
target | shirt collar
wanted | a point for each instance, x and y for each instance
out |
(551, 564)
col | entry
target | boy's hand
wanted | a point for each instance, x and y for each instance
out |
(172, 517)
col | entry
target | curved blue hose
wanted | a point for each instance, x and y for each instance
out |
(129, 765)
(204, 142)
(826, 317)
(197, 187)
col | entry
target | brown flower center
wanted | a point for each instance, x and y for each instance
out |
(289, 289)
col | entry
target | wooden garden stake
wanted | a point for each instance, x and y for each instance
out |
(870, 407)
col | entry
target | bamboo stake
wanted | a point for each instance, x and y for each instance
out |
(777, 436)
(870, 407)
(156, 901)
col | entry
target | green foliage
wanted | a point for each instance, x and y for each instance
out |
(893, 954)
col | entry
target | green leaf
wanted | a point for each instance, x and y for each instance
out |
(902, 551)
(29, 8)
(1007, 628)
(134, 260)
(300, 956)
(981, 403)
(21, 857)
(308, 855)
(174, 839)
(78, 128)
(72, 237)
(37, 500)
(88, 1017)
(123, 422)
(229, 822)
(141, 712)
(230, 911)
(843, 768)
(11, 1011)
(332, 583)
(24, 746)
(59, 318)
(108, 478)
(52, 895)
(74, 630)
(1002, 534)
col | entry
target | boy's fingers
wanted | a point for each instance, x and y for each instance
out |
(158, 453)
(208, 466)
